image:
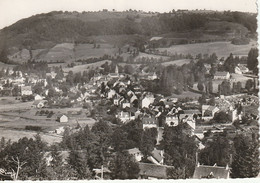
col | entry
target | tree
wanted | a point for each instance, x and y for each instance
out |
(175, 173)
(216, 151)
(249, 84)
(246, 158)
(78, 162)
(200, 86)
(180, 149)
(123, 166)
(202, 100)
(3, 55)
(148, 142)
(221, 117)
(26, 158)
(252, 59)
(129, 69)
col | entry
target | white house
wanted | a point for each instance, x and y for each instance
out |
(63, 118)
(136, 153)
(147, 101)
(149, 122)
(39, 103)
(125, 116)
(38, 97)
(172, 120)
(111, 93)
(222, 75)
(26, 90)
(208, 111)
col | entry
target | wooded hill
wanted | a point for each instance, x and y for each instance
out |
(47, 30)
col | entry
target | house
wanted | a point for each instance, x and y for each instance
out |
(152, 76)
(60, 130)
(149, 122)
(156, 157)
(26, 90)
(189, 119)
(147, 100)
(153, 171)
(111, 93)
(204, 171)
(136, 153)
(172, 120)
(241, 69)
(38, 97)
(51, 74)
(125, 105)
(114, 75)
(222, 75)
(62, 118)
(208, 111)
(133, 98)
(39, 103)
(125, 116)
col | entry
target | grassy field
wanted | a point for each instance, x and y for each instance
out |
(222, 49)
(16, 115)
(81, 68)
(145, 55)
(177, 62)
(67, 52)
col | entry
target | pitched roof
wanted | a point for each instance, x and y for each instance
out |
(221, 73)
(202, 171)
(153, 170)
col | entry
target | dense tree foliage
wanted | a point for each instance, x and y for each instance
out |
(246, 158)
(180, 149)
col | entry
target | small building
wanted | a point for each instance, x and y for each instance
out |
(222, 75)
(147, 101)
(125, 116)
(152, 76)
(149, 122)
(208, 111)
(26, 90)
(136, 153)
(62, 118)
(172, 120)
(39, 103)
(217, 172)
(38, 97)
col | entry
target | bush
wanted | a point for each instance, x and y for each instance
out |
(33, 128)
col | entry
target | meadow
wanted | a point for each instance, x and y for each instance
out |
(222, 49)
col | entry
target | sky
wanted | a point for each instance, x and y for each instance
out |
(13, 10)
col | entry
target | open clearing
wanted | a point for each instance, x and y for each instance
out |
(177, 62)
(85, 67)
(222, 49)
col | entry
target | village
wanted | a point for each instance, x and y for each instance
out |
(41, 105)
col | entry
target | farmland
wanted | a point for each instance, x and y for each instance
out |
(222, 49)
(15, 116)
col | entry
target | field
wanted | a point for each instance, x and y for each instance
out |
(145, 55)
(85, 67)
(67, 52)
(222, 49)
(177, 62)
(17, 115)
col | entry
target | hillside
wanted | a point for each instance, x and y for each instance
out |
(48, 36)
